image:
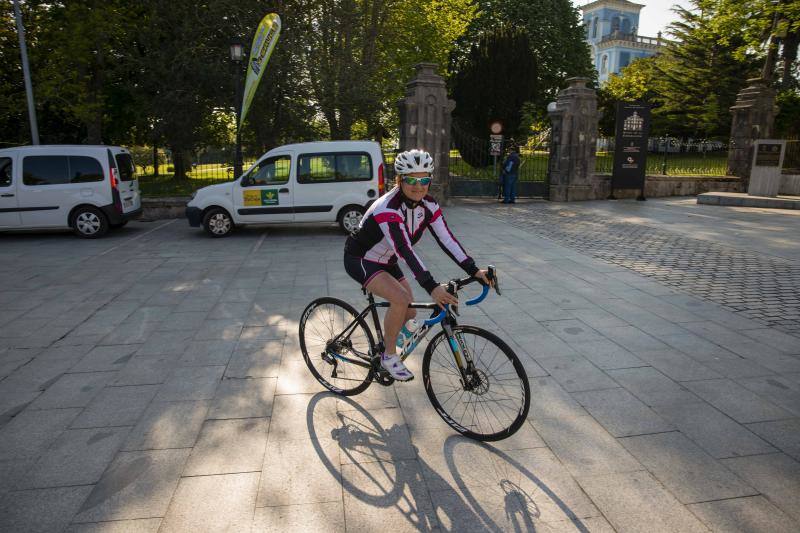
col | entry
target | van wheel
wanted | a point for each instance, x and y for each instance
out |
(218, 222)
(89, 223)
(350, 218)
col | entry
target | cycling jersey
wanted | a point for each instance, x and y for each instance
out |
(394, 224)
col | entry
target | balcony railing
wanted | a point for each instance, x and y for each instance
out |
(632, 37)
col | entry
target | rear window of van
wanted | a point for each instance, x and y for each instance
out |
(127, 170)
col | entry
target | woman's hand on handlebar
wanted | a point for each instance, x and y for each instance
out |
(483, 276)
(442, 297)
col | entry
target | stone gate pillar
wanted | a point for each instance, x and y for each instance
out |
(425, 123)
(753, 118)
(573, 142)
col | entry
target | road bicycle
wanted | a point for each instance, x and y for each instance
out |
(472, 378)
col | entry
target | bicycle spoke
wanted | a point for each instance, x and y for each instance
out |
(495, 400)
(324, 323)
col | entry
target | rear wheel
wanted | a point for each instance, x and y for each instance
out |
(217, 222)
(494, 401)
(89, 222)
(321, 322)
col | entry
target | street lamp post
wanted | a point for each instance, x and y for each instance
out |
(26, 71)
(237, 54)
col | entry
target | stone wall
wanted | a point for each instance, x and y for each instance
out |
(664, 186)
(164, 208)
(790, 184)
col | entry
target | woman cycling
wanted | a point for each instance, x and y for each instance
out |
(390, 228)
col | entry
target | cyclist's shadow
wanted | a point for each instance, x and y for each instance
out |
(384, 473)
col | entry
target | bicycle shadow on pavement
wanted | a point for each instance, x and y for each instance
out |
(460, 485)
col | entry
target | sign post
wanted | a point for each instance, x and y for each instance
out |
(765, 175)
(496, 149)
(630, 152)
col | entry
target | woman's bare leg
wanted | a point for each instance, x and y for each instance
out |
(388, 288)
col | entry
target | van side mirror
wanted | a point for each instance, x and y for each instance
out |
(245, 181)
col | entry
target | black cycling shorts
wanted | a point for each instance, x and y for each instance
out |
(362, 270)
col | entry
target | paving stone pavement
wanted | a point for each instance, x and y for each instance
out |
(753, 284)
(153, 381)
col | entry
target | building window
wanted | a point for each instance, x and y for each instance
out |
(626, 26)
(594, 30)
(615, 24)
(624, 59)
(604, 64)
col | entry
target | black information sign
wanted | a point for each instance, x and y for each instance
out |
(630, 152)
(768, 155)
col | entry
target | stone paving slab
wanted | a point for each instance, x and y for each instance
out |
(753, 513)
(656, 403)
(635, 501)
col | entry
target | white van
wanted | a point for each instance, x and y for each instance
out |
(87, 188)
(331, 181)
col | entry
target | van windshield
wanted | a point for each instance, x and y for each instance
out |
(127, 171)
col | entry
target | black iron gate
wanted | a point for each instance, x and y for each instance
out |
(474, 172)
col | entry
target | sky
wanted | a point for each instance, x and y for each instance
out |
(655, 16)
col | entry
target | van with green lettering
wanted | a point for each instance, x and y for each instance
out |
(315, 182)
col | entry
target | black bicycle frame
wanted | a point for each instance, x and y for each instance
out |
(447, 324)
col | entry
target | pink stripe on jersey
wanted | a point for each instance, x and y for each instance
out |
(381, 218)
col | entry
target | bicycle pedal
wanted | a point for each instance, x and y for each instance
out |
(383, 377)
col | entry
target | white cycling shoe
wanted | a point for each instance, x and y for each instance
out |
(396, 368)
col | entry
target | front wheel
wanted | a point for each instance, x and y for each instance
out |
(492, 400)
(217, 222)
(322, 322)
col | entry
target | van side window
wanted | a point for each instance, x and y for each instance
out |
(84, 169)
(326, 168)
(272, 171)
(45, 170)
(5, 172)
(60, 170)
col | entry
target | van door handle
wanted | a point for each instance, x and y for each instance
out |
(6, 195)
(283, 190)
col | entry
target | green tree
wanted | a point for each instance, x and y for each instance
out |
(556, 36)
(359, 53)
(634, 83)
(692, 84)
(79, 54)
(770, 29)
(492, 83)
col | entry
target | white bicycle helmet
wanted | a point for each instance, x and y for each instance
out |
(413, 161)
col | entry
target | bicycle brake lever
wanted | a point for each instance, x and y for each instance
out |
(452, 288)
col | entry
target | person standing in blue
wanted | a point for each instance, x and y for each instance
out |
(511, 175)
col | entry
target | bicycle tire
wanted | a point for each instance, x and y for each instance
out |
(515, 408)
(348, 313)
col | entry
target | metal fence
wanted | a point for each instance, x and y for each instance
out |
(791, 161)
(672, 157)
(207, 166)
(470, 159)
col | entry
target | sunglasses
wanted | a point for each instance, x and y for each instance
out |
(409, 180)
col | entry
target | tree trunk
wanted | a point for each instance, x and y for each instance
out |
(155, 160)
(790, 44)
(179, 163)
(94, 130)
